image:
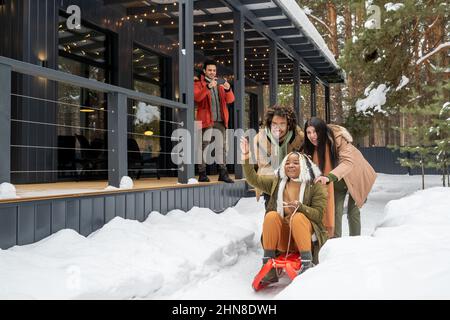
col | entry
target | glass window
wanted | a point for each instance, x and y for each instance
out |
(83, 53)
(85, 43)
(147, 78)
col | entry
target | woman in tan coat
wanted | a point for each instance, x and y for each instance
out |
(344, 167)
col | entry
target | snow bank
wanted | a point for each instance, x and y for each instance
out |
(405, 258)
(126, 259)
(7, 191)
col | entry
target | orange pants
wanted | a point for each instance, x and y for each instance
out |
(276, 232)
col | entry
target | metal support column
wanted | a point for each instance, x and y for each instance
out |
(297, 93)
(117, 138)
(273, 73)
(327, 104)
(186, 83)
(5, 123)
(239, 84)
(313, 96)
(260, 104)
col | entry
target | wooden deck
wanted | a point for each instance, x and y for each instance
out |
(45, 191)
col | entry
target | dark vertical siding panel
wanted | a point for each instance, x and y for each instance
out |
(140, 207)
(231, 196)
(220, 190)
(98, 215)
(196, 197)
(73, 215)
(178, 199)
(163, 201)
(208, 197)
(110, 208)
(171, 200)
(191, 198)
(120, 206)
(222, 196)
(216, 198)
(130, 206)
(58, 216)
(202, 196)
(148, 204)
(86, 217)
(8, 227)
(156, 196)
(184, 199)
(25, 227)
(212, 201)
(42, 221)
(227, 196)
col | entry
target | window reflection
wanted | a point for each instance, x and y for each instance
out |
(83, 53)
(147, 78)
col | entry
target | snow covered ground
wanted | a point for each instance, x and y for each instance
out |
(403, 253)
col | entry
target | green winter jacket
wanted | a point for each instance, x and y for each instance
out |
(314, 202)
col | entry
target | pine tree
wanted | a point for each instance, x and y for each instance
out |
(430, 133)
(439, 131)
(388, 54)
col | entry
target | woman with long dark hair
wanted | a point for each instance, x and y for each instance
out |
(344, 170)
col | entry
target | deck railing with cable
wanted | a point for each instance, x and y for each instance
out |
(118, 131)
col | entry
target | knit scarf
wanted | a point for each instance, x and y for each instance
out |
(279, 150)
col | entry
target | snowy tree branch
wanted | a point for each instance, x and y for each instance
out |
(433, 52)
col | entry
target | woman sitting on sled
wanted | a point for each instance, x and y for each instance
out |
(294, 211)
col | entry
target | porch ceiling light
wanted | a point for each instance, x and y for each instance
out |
(148, 133)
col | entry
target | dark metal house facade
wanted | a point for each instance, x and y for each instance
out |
(69, 98)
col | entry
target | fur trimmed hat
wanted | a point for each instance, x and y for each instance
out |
(308, 172)
(308, 169)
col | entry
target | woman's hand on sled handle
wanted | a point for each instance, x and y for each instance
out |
(322, 180)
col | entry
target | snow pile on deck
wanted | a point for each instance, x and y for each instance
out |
(7, 191)
(407, 257)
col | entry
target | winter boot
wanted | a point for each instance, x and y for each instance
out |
(223, 176)
(271, 276)
(202, 177)
(306, 257)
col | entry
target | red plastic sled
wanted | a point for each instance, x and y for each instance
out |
(291, 264)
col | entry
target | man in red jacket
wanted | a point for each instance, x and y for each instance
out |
(212, 97)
